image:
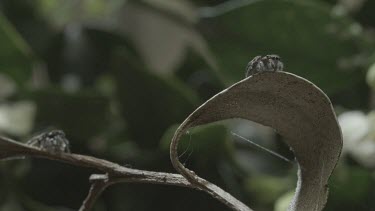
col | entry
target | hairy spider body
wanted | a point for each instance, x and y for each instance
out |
(53, 141)
(268, 63)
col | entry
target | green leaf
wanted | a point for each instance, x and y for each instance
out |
(81, 115)
(15, 55)
(150, 104)
(370, 77)
(310, 40)
(209, 143)
(350, 186)
(199, 75)
(267, 188)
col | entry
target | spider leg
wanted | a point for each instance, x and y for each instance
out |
(270, 65)
(252, 66)
(260, 67)
(279, 66)
(34, 141)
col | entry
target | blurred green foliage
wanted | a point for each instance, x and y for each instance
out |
(15, 52)
(118, 76)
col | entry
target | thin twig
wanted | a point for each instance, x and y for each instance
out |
(102, 181)
(97, 187)
(114, 173)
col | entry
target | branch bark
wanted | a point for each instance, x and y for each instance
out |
(114, 173)
(97, 187)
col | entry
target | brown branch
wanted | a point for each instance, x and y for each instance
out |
(114, 173)
(102, 181)
(97, 187)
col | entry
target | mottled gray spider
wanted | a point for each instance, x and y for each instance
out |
(52, 141)
(268, 63)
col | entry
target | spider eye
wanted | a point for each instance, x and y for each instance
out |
(55, 133)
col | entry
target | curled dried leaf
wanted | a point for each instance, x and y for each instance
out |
(297, 109)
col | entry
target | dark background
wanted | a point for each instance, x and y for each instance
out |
(119, 76)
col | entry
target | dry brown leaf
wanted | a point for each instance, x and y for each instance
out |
(298, 110)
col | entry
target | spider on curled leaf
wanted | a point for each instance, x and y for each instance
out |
(268, 63)
(52, 141)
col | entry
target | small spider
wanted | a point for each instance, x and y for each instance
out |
(52, 141)
(269, 63)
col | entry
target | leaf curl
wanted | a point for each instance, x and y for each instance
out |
(297, 109)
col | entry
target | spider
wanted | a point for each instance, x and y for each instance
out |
(52, 141)
(268, 63)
